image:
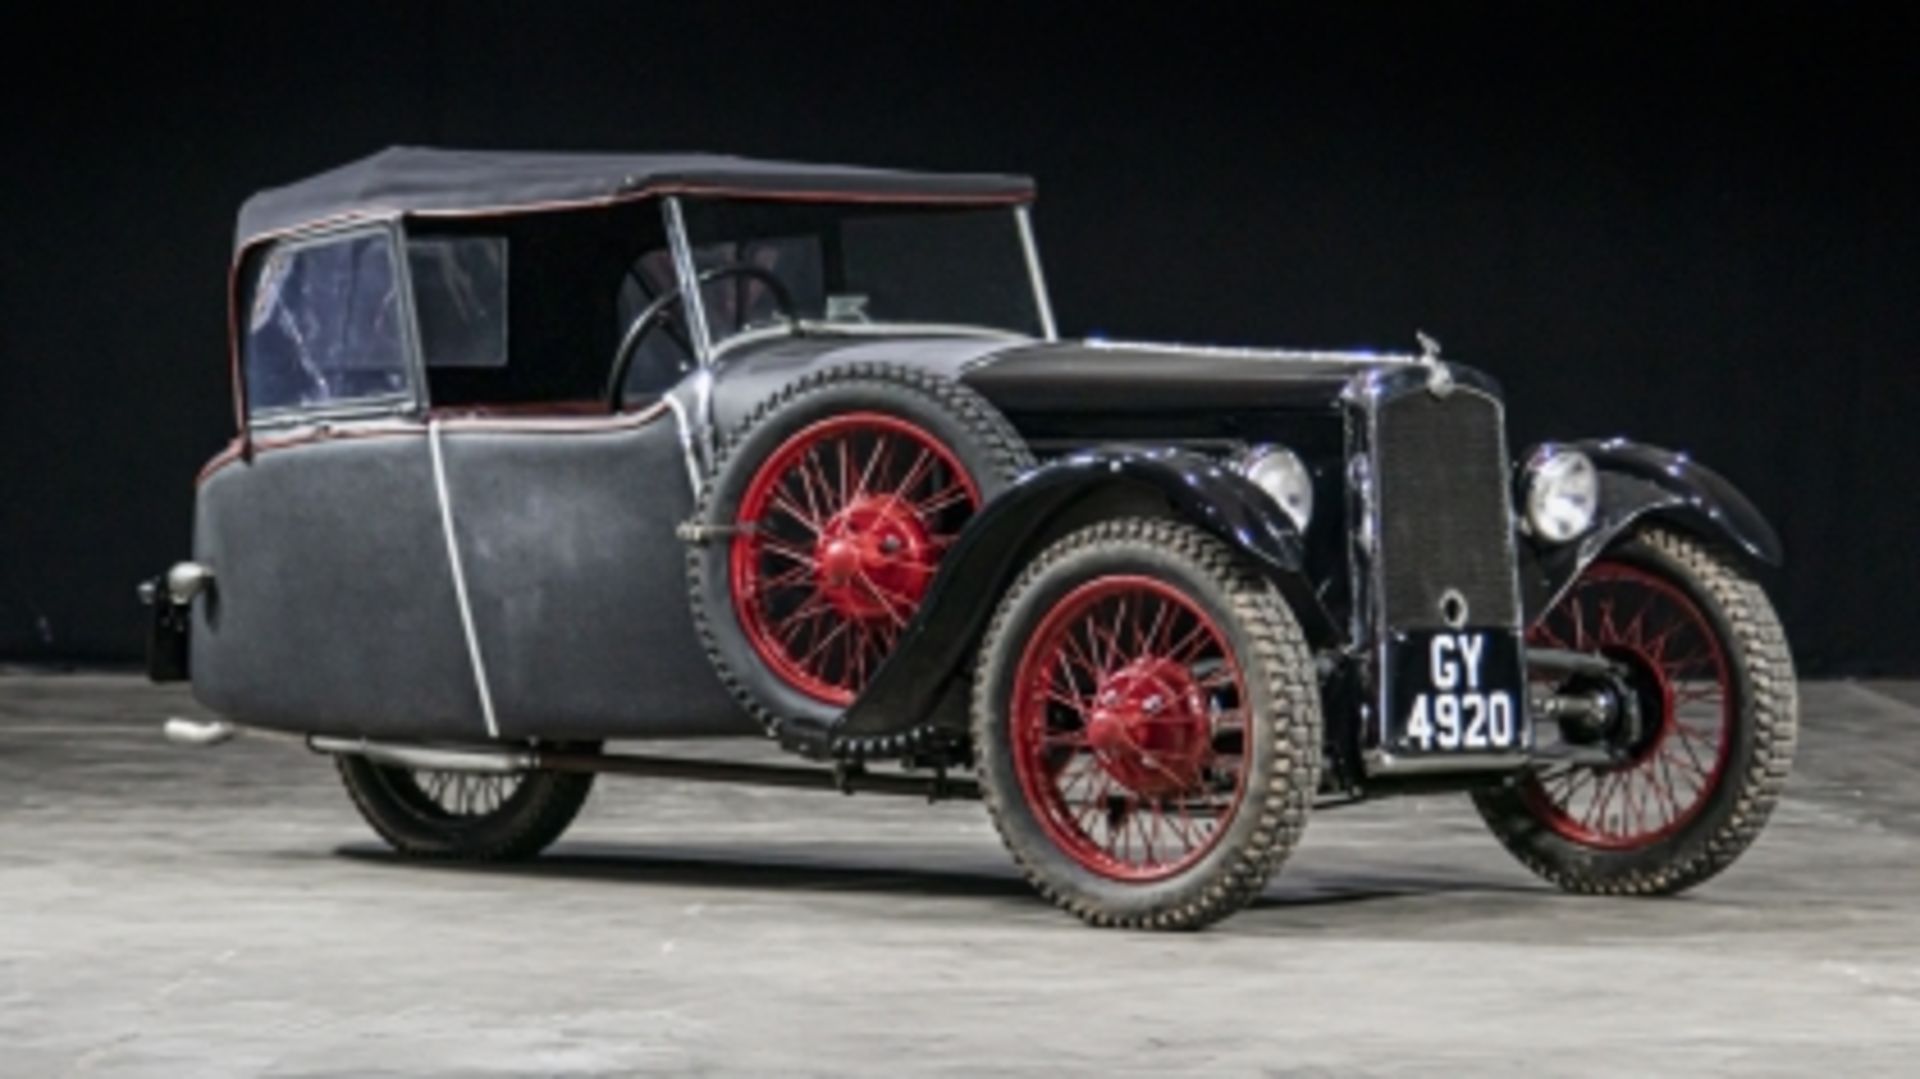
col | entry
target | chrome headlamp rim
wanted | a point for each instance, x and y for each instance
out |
(1560, 493)
(1282, 476)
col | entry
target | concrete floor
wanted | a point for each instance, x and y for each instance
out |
(171, 912)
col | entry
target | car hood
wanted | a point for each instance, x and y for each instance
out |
(1025, 376)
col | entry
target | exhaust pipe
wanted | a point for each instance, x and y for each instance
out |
(198, 733)
(428, 758)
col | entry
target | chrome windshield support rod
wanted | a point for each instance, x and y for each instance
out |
(683, 268)
(1024, 217)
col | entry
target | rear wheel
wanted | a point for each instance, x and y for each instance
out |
(1147, 727)
(1709, 672)
(472, 816)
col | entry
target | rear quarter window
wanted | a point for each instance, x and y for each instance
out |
(325, 326)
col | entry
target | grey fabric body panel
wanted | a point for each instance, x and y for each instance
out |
(333, 608)
(578, 582)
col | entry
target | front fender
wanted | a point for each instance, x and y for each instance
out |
(916, 680)
(1641, 482)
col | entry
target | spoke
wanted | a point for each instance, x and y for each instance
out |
(1659, 762)
(846, 472)
(1146, 833)
(1594, 807)
(1609, 634)
(1224, 678)
(882, 445)
(817, 480)
(1196, 646)
(1162, 623)
(1075, 703)
(1637, 796)
(795, 576)
(803, 471)
(1676, 669)
(1687, 742)
(1635, 633)
(856, 667)
(916, 473)
(783, 550)
(952, 496)
(1065, 665)
(809, 615)
(1093, 651)
(892, 601)
(1073, 652)
(785, 504)
(1116, 655)
(814, 606)
(839, 630)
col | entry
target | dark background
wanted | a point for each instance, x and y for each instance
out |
(1701, 228)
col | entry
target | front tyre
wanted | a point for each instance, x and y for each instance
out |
(466, 816)
(1709, 664)
(1146, 723)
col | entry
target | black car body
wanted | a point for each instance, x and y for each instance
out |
(499, 415)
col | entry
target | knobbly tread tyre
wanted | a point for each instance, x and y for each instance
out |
(1004, 453)
(1236, 871)
(1764, 737)
(529, 822)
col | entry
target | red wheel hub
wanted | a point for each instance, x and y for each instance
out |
(1128, 723)
(838, 537)
(1149, 728)
(875, 555)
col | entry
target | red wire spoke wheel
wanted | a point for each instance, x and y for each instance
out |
(823, 525)
(1129, 720)
(1146, 725)
(836, 540)
(1686, 694)
(1693, 780)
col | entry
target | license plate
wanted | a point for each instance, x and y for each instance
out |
(1453, 692)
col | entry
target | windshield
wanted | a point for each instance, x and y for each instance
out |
(852, 265)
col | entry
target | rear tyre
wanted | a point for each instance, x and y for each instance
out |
(830, 511)
(466, 816)
(1717, 690)
(1146, 723)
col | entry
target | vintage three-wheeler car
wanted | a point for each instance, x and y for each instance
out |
(538, 453)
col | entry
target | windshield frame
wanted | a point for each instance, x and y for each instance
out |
(707, 351)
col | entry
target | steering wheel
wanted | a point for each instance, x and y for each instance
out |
(653, 316)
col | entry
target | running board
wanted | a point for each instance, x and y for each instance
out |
(431, 758)
(846, 778)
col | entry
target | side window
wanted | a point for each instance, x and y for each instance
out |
(324, 326)
(460, 293)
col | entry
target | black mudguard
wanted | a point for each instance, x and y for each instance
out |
(1640, 482)
(918, 693)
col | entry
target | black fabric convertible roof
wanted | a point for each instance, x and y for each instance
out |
(412, 180)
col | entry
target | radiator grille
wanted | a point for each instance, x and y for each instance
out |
(1445, 522)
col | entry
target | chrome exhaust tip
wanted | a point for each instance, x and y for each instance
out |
(198, 733)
